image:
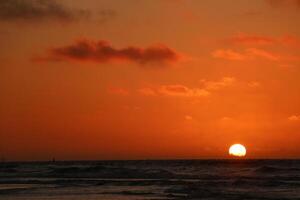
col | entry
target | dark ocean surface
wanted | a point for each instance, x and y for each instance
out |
(164, 179)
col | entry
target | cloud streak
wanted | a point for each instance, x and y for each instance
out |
(118, 91)
(103, 52)
(294, 118)
(248, 54)
(179, 90)
(38, 10)
(216, 85)
(245, 39)
(182, 91)
(228, 54)
(261, 40)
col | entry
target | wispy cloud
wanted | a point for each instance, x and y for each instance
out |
(118, 91)
(254, 84)
(294, 118)
(254, 40)
(228, 54)
(38, 10)
(248, 54)
(246, 39)
(260, 53)
(179, 90)
(216, 85)
(188, 117)
(183, 91)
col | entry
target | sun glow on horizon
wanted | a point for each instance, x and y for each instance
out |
(237, 150)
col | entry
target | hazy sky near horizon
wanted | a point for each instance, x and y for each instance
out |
(147, 79)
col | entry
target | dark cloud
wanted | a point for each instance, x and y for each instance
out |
(38, 10)
(103, 52)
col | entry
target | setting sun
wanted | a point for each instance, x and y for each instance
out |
(237, 150)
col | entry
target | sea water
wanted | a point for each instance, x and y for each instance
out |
(161, 179)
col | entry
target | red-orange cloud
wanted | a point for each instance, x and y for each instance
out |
(248, 54)
(294, 118)
(118, 91)
(262, 40)
(103, 52)
(228, 54)
(181, 90)
(245, 39)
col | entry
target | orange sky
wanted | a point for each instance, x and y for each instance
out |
(152, 79)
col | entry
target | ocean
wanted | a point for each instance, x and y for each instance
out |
(152, 180)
